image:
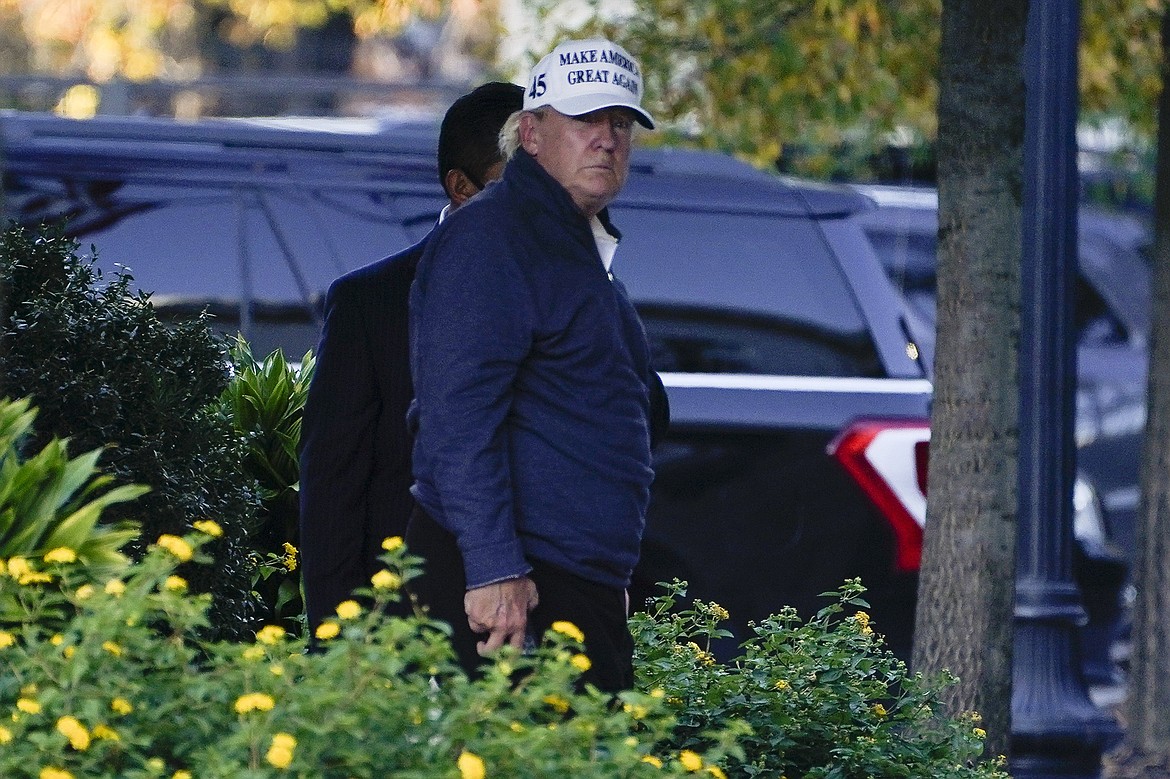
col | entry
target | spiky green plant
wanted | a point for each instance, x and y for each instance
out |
(51, 503)
(265, 401)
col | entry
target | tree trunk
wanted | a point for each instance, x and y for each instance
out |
(965, 602)
(1146, 749)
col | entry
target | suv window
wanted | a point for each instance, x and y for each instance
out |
(200, 244)
(718, 294)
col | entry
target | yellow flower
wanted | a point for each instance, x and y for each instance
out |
(390, 544)
(516, 727)
(18, 567)
(121, 706)
(290, 557)
(581, 662)
(34, 577)
(28, 706)
(327, 630)
(5, 735)
(106, 732)
(175, 583)
(879, 710)
(61, 554)
(690, 760)
(6, 639)
(349, 609)
(182, 775)
(254, 701)
(208, 527)
(276, 669)
(980, 733)
(566, 628)
(782, 684)
(68, 652)
(176, 546)
(716, 771)
(270, 634)
(385, 580)
(254, 653)
(470, 765)
(280, 753)
(49, 772)
(557, 702)
(720, 614)
(115, 587)
(112, 648)
(652, 760)
(72, 729)
(658, 692)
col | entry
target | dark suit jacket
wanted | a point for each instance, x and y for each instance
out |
(355, 451)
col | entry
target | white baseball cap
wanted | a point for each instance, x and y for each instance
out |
(582, 76)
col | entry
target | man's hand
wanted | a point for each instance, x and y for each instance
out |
(500, 610)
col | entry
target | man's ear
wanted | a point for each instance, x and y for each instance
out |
(459, 187)
(528, 134)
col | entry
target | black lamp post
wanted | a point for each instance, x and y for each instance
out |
(1056, 729)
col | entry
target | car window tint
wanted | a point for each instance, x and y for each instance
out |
(209, 245)
(740, 293)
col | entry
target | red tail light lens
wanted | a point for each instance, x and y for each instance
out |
(888, 461)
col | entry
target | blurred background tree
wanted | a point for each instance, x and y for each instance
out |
(107, 41)
(841, 88)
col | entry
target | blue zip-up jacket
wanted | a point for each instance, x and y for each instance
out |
(531, 404)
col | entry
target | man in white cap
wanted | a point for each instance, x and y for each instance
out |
(531, 370)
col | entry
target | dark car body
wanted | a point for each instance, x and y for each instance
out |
(1111, 320)
(798, 377)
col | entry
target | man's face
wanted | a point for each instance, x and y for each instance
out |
(588, 154)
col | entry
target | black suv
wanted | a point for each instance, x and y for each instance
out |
(797, 375)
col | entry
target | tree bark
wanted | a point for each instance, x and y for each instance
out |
(1145, 750)
(966, 589)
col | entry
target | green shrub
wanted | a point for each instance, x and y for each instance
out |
(823, 699)
(104, 369)
(126, 690)
(265, 401)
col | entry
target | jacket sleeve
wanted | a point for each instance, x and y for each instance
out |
(336, 458)
(472, 325)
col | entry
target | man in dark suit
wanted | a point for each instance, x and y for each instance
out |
(355, 450)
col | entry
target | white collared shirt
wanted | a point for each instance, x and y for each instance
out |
(606, 244)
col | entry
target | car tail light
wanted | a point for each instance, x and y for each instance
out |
(888, 461)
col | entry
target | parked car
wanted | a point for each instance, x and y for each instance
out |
(1111, 325)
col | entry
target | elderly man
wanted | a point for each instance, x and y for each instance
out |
(532, 452)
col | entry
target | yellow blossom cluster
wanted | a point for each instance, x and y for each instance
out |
(568, 629)
(270, 634)
(349, 609)
(208, 527)
(61, 554)
(471, 766)
(327, 630)
(176, 546)
(22, 571)
(861, 619)
(280, 752)
(72, 729)
(386, 580)
(254, 701)
(392, 543)
(289, 561)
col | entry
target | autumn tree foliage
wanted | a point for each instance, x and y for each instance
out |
(757, 79)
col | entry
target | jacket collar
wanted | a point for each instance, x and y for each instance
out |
(540, 192)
